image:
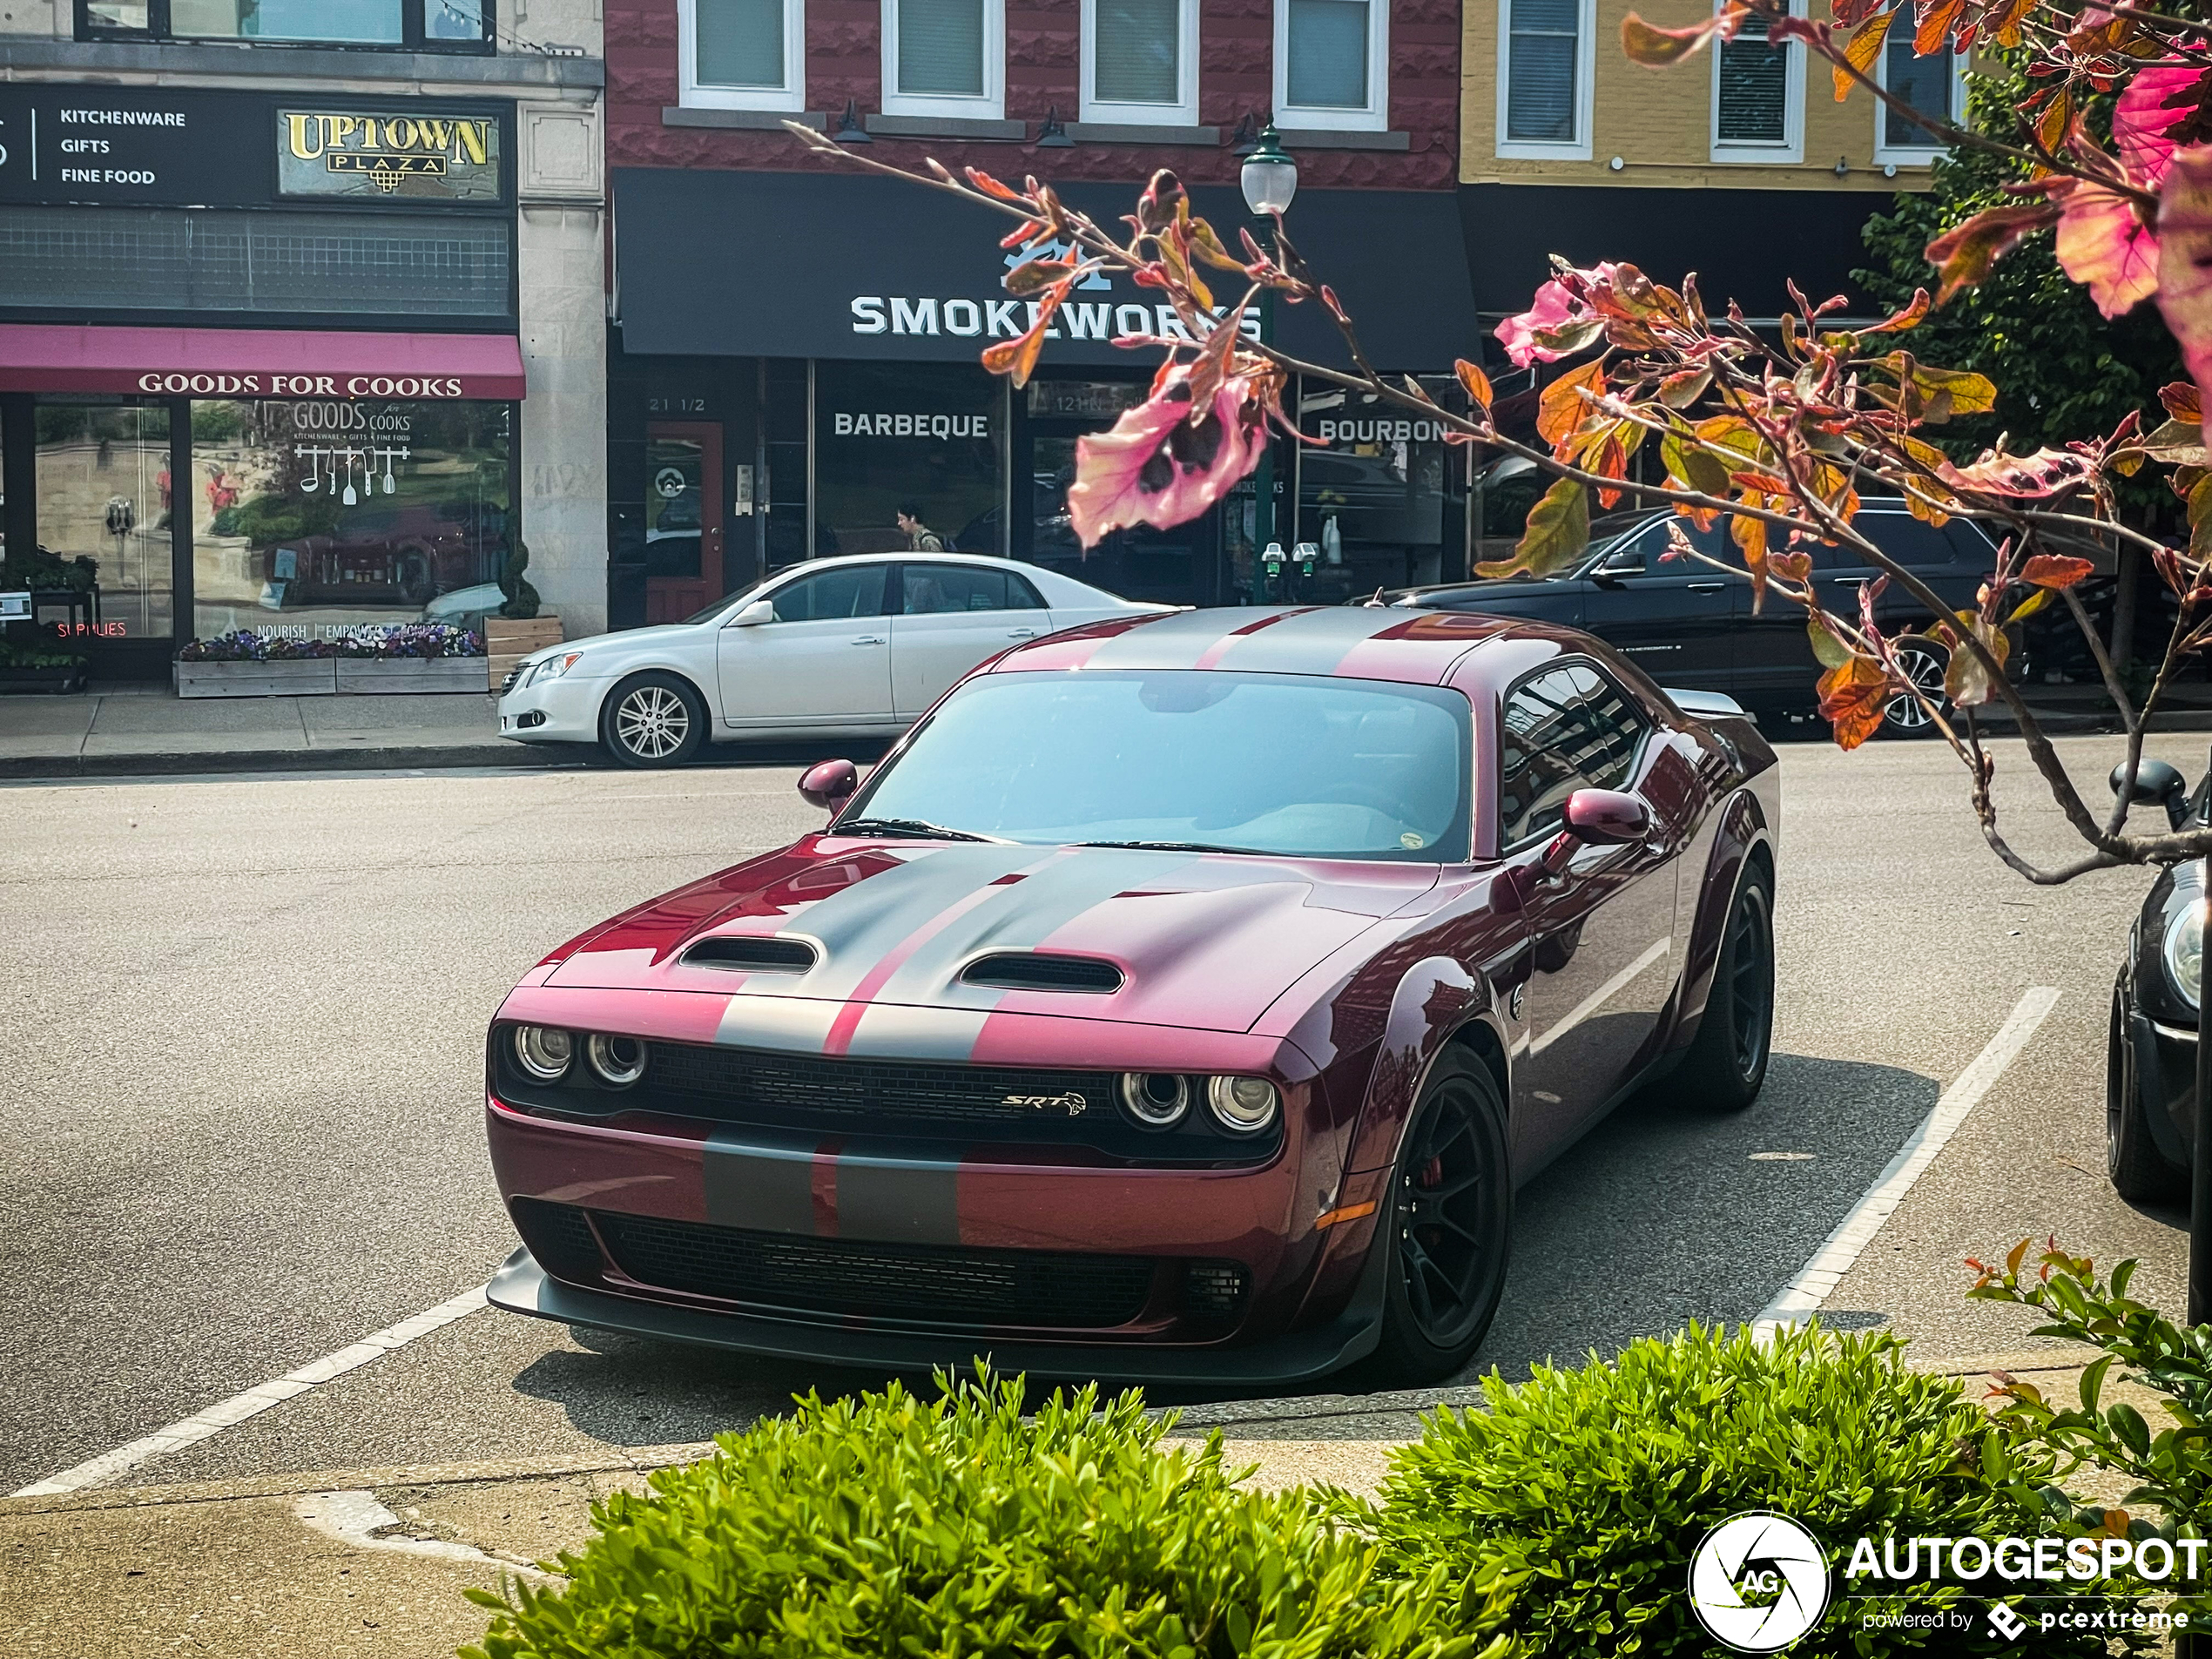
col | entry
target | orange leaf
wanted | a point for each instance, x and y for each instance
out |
(1477, 384)
(1853, 698)
(1963, 256)
(1861, 50)
(2054, 570)
(1562, 408)
(1655, 48)
(1936, 24)
(2181, 402)
(991, 186)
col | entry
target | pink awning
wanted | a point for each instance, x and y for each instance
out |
(257, 362)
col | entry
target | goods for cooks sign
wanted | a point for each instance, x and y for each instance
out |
(351, 152)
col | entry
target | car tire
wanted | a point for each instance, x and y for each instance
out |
(1447, 1226)
(1726, 1065)
(1925, 662)
(653, 719)
(2138, 1171)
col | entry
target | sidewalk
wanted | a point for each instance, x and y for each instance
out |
(371, 1563)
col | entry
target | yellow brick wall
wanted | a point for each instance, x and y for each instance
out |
(1659, 121)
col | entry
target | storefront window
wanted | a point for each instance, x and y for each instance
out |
(1372, 495)
(104, 491)
(892, 438)
(361, 22)
(317, 517)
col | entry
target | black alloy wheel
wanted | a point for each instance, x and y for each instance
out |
(653, 719)
(1448, 1225)
(1726, 1065)
(1925, 662)
(2138, 1169)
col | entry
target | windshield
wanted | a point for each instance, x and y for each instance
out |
(1286, 765)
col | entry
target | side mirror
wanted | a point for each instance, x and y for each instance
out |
(753, 615)
(829, 784)
(2155, 781)
(1597, 818)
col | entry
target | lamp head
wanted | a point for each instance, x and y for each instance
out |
(1269, 175)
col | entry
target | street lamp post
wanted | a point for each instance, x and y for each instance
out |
(1269, 180)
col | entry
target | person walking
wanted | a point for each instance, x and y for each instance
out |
(919, 537)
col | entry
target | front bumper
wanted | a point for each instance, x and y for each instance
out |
(2166, 1075)
(561, 711)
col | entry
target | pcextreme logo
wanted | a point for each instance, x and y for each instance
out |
(1759, 1582)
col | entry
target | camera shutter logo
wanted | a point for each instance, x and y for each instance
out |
(1759, 1582)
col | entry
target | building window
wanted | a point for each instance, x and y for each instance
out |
(743, 54)
(944, 58)
(1545, 71)
(409, 25)
(1758, 97)
(1935, 86)
(1141, 61)
(1331, 63)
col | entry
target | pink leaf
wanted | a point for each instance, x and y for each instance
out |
(1157, 467)
(1553, 310)
(2047, 472)
(2185, 259)
(2103, 244)
(2141, 120)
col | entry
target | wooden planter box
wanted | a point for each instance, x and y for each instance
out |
(381, 676)
(509, 641)
(41, 680)
(315, 676)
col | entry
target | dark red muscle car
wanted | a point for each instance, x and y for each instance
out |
(1181, 1000)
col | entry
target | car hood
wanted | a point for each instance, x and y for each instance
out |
(628, 639)
(1201, 941)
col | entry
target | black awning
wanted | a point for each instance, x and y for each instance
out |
(821, 265)
(1744, 245)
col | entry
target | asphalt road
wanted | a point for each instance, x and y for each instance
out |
(241, 1051)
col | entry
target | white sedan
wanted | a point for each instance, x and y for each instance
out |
(853, 646)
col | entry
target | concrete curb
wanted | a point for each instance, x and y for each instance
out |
(380, 758)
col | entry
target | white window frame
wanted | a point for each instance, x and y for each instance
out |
(991, 106)
(1374, 116)
(1740, 152)
(1183, 113)
(791, 95)
(1585, 89)
(1914, 155)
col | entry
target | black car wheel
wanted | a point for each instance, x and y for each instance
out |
(2138, 1170)
(653, 720)
(1727, 1061)
(1925, 662)
(1447, 1227)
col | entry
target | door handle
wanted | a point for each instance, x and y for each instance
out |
(1704, 587)
(869, 639)
(1855, 579)
(1021, 633)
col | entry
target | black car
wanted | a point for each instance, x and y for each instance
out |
(1688, 624)
(2150, 1050)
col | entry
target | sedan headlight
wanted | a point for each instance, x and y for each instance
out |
(544, 1051)
(553, 667)
(2184, 952)
(1242, 1105)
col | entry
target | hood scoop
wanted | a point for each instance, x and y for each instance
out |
(1033, 971)
(751, 955)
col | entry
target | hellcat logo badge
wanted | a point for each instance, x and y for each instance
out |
(1073, 1104)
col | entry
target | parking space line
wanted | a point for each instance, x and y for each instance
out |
(106, 1469)
(1803, 1296)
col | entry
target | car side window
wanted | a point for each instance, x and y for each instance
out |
(942, 589)
(1906, 539)
(1022, 594)
(855, 590)
(1568, 728)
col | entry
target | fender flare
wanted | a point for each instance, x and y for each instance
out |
(1436, 1002)
(1743, 831)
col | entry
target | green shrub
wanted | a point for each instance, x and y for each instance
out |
(885, 1528)
(1587, 1492)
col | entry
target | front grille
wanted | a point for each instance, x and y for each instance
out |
(508, 685)
(744, 1086)
(912, 1283)
(559, 1237)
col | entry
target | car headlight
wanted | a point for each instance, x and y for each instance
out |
(544, 1051)
(1242, 1105)
(553, 667)
(1155, 1099)
(618, 1062)
(2184, 952)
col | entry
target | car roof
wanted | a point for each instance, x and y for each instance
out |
(1055, 586)
(1353, 642)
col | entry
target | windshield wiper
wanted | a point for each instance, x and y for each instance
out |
(1171, 846)
(914, 828)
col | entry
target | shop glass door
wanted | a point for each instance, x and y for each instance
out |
(103, 496)
(1173, 566)
(683, 519)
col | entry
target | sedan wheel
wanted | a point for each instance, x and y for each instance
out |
(1924, 664)
(653, 720)
(1448, 1225)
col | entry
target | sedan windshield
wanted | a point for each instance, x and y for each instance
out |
(1284, 764)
